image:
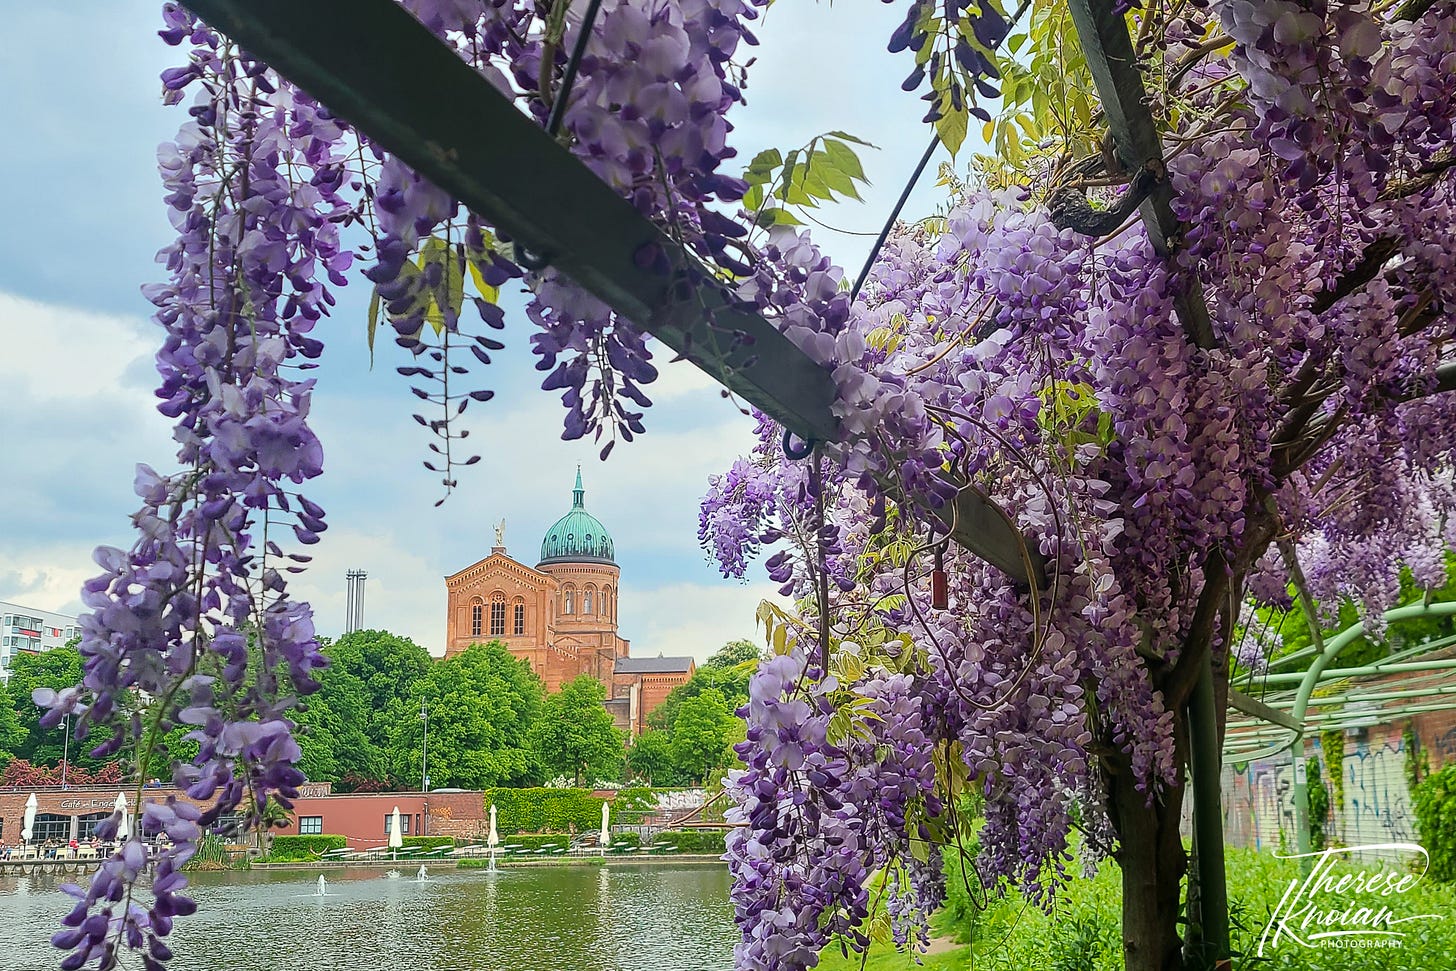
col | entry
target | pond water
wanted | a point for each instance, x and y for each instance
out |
(660, 918)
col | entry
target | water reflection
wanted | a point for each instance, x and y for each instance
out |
(549, 919)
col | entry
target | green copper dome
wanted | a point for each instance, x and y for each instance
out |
(578, 537)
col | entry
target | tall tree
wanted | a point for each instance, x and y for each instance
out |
(734, 654)
(344, 733)
(57, 668)
(702, 733)
(650, 758)
(12, 732)
(482, 705)
(574, 735)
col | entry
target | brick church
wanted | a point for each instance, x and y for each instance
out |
(560, 616)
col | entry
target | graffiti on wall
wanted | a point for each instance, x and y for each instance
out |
(1259, 796)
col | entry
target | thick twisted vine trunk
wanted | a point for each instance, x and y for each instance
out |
(1150, 851)
(1153, 862)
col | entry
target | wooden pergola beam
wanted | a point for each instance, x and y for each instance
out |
(1113, 65)
(373, 64)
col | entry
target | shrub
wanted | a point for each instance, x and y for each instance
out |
(694, 841)
(626, 840)
(544, 810)
(428, 843)
(1435, 806)
(213, 854)
(290, 849)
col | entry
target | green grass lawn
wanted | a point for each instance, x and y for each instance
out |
(888, 959)
(1082, 932)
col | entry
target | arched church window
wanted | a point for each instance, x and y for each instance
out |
(607, 602)
(566, 599)
(520, 619)
(476, 611)
(498, 615)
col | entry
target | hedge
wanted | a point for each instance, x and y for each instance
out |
(1435, 806)
(692, 841)
(428, 843)
(544, 810)
(287, 849)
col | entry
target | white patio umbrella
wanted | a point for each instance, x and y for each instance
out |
(606, 835)
(493, 840)
(27, 825)
(396, 838)
(123, 829)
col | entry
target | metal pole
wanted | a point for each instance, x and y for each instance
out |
(65, 750)
(1205, 759)
(1332, 650)
(425, 751)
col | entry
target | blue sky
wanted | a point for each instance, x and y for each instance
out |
(82, 221)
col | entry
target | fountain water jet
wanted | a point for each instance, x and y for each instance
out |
(323, 887)
(423, 876)
(492, 841)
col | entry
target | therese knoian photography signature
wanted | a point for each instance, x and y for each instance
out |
(1336, 906)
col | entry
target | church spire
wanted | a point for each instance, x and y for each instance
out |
(578, 495)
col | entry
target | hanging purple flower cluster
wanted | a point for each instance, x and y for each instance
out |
(193, 625)
(1013, 355)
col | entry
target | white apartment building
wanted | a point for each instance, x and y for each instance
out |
(30, 630)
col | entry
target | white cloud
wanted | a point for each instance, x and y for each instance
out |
(404, 593)
(58, 352)
(77, 419)
(47, 576)
(691, 618)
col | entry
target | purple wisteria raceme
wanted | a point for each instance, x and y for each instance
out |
(193, 625)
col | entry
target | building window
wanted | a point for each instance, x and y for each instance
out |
(520, 627)
(86, 825)
(566, 602)
(51, 826)
(586, 602)
(404, 823)
(475, 615)
(498, 618)
(310, 825)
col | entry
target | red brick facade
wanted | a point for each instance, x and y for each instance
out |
(561, 616)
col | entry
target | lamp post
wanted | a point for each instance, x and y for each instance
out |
(65, 748)
(425, 751)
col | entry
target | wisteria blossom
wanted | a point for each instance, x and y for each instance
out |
(996, 353)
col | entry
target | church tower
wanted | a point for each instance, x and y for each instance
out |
(578, 552)
(560, 616)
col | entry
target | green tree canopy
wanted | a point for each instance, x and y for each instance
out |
(57, 668)
(575, 736)
(702, 734)
(650, 758)
(342, 725)
(12, 732)
(734, 654)
(482, 703)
